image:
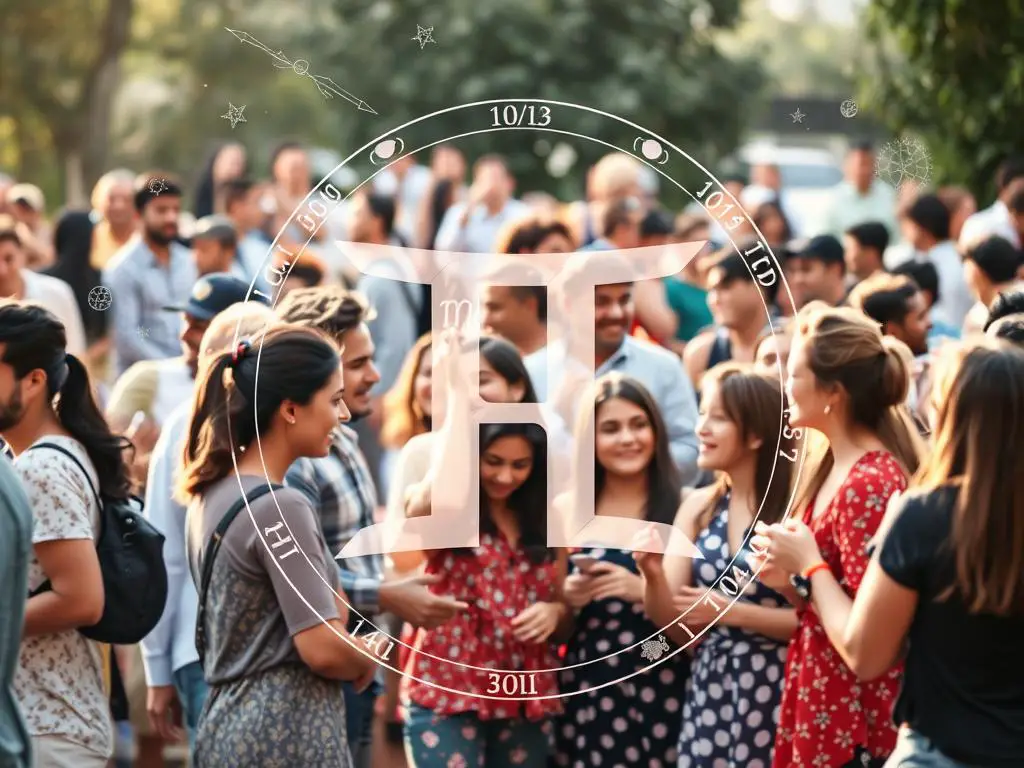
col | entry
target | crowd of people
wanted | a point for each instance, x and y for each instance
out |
(877, 584)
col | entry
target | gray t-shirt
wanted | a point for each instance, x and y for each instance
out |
(273, 577)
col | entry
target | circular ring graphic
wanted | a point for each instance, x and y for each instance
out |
(653, 151)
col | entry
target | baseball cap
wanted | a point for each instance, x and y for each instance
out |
(212, 294)
(824, 248)
(29, 194)
(215, 227)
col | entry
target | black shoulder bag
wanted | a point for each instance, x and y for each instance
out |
(211, 553)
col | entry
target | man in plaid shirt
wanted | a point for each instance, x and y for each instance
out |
(341, 488)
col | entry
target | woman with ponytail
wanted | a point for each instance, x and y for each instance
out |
(846, 384)
(271, 624)
(46, 398)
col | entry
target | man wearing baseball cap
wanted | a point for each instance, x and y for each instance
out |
(28, 206)
(151, 271)
(818, 271)
(156, 387)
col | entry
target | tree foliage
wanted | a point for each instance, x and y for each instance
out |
(653, 62)
(957, 79)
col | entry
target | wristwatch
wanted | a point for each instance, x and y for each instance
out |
(801, 585)
(801, 582)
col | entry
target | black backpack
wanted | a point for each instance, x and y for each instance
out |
(131, 555)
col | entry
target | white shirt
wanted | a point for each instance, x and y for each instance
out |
(994, 220)
(408, 193)
(849, 207)
(955, 298)
(171, 644)
(59, 679)
(57, 297)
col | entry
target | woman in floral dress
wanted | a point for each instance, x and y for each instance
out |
(511, 586)
(848, 385)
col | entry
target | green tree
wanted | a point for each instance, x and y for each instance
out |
(952, 72)
(59, 71)
(654, 62)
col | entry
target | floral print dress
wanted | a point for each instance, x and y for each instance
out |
(829, 717)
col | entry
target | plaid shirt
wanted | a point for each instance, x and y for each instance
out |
(341, 489)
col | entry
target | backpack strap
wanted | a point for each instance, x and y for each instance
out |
(211, 553)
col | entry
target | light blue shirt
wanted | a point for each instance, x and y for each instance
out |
(480, 234)
(171, 644)
(660, 371)
(140, 288)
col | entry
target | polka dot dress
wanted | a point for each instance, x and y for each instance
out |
(731, 708)
(629, 724)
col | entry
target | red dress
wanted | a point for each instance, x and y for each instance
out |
(499, 582)
(826, 712)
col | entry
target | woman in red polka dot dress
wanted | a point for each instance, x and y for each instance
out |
(847, 384)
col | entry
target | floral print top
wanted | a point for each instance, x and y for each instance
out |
(827, 713)
(59, 679)
(498, 581)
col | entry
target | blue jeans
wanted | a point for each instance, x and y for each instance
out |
(359, 720)
(191, 687)
(433, 741)
(916, 751)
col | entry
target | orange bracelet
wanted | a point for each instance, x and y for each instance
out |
(809, 572)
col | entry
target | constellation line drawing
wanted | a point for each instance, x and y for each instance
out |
(424, 35)
(327, 87)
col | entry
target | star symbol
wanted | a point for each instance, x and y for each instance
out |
(424, 35)
(235, 115)
(798, 116)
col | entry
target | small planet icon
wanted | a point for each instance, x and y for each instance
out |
(651, 149)
(385, 149)
(300, 67)
(848, 108)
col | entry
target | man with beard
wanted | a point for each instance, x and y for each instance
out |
(560, 369)
(150, 272)
(341, 488)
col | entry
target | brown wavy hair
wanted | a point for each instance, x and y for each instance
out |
(979, 428)
(754, 402)
(403, 417)
(846, 349)
(231, 407)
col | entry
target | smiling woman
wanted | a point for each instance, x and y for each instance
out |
(270, 614)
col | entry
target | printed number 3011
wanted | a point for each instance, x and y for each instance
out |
(513, 683)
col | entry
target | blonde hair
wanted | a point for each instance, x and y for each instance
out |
(846, 349)
(106, 181)
(614, 175)
(248, 319)
(403, 417)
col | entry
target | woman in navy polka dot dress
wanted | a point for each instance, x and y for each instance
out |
(634, 722)
(731, 707)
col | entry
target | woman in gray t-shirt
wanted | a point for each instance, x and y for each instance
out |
(272, 623)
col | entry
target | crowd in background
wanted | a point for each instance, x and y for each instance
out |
(877, 622)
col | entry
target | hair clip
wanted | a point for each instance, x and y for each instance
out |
(239, 352)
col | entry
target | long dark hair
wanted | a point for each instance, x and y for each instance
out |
(231, 407)
(206, 192)
(663, 480)
(980, 423)
(754, 403)
(34, 339)
(529, 501)
(506, 361)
